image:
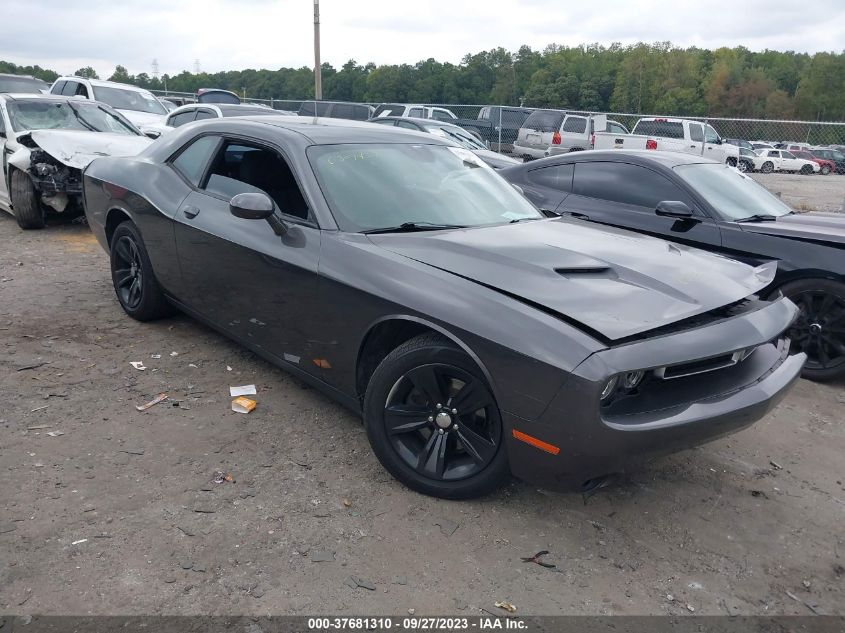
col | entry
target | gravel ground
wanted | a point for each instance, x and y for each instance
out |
(807, 193)
(107, 510)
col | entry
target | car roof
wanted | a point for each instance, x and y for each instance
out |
(21, 76)
(666, 159)
(326, 131)
(103, 82)
(17, 96)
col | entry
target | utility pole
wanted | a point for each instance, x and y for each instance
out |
(318, 80)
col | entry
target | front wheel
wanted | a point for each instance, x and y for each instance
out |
(433, 422)
(25, 203)
(768, 167)
(819, 330)
(743, 166)
(135, 284)
(806, 170)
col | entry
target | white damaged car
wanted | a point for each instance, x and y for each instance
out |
(45, 143)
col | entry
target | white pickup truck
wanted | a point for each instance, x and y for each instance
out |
(671, 135)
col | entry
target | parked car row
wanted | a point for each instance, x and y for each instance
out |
(556, 319)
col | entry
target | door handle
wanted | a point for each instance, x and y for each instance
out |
(190, 211)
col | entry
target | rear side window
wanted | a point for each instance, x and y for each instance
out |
(575, 124)
(70, 88)
(416, 112)
(695, 132)
(182, 118)
(205, 114)
(544, 121)
(663, 129)
(390, 109)
(192, 160)
(557, 177)
(624, 183)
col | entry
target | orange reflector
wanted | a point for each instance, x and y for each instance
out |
(543, 446)
(322, 363)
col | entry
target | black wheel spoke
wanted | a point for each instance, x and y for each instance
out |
(836, 344)
(134, 291)
(472, 397)
(480, 448)
(432, 460)
(122, 276)
(405, 418)
(427, 381)
(123, 251)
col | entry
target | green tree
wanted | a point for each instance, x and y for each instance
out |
(87, 72)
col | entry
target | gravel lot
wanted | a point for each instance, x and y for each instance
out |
(118, 513)
(807, 193)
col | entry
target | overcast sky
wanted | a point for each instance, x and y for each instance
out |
(234, 34)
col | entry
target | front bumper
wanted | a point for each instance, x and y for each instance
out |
(677, 414)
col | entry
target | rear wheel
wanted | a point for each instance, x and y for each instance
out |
(135, 284)
(25, 203)
(743, 166)
(819, 330)
(433, 422)
(825, 170)
(768, 167)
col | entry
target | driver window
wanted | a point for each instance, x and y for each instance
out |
(710, 135)
(242, 168)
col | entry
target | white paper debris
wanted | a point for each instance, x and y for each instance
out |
(245, 390)
(137, 365)
(82, 540)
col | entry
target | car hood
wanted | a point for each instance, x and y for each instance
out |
(77, 148)
(818, 227)
(494, 159)
(142, 118)
(613, 283)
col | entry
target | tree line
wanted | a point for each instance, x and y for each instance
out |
(654, 78)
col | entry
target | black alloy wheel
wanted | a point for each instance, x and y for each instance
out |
(819, 330)
(433, 421)
(132, 274)
(128, 274)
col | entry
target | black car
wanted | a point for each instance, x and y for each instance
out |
(402, 276)
(336, 110)
(698, 202)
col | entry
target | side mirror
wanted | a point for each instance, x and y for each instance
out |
(152, 134)
(673, 209)
(719, 141)
(251, 206)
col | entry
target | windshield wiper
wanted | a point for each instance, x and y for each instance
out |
(82, 120)
(410, 227)
(517, 220)
(758, 217)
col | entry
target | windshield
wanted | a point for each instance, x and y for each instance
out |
(457, 135)
(733, 194)
(66, 115)
(22, 84)
(124, 99)
(380, 186)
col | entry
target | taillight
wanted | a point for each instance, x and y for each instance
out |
(556, 138)
(592, 140)
(651, 144)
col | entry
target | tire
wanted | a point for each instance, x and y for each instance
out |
(430, 448)
(819, 330)
(825, 170)
(134, 281)
(25, 203)
(744, 166)
(768, 167)
(806, 170)
(731, 161)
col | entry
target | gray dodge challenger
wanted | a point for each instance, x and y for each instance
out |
(403, 277)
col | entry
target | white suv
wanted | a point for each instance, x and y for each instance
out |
(138, 105)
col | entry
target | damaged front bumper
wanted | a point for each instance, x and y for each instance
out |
(59, 185)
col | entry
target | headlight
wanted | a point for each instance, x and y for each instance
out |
(632, 378)
(609, 387)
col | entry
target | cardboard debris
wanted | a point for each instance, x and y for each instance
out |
(243, 405)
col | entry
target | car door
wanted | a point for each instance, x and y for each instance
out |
(712, 146)
(239, 274)
(626, 195)
(790, 162)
